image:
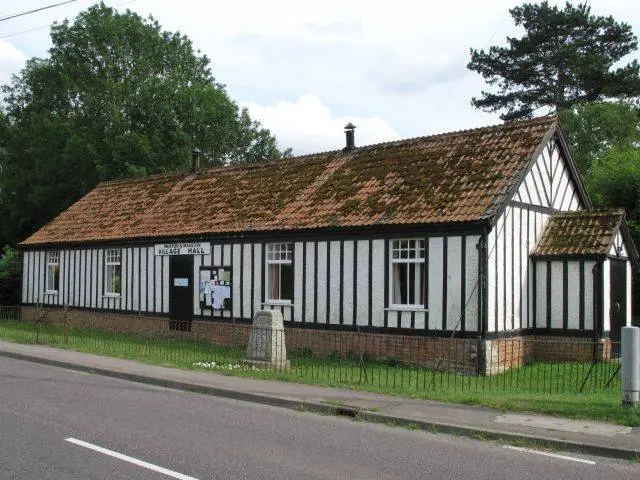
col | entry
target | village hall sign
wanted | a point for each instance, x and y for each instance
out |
(193, 248)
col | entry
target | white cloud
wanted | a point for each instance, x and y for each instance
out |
(309, 126)
(402, 61)
(11, 60)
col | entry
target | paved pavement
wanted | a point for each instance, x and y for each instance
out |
(588, 437)
(71, 425)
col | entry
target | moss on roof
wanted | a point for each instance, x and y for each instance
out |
(579, 233)
(453, 177)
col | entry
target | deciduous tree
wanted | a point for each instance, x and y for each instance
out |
(116, 97)
(593, 129)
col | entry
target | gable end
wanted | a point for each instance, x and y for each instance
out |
(543, 184)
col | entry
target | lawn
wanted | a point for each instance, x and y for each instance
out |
(570, 389)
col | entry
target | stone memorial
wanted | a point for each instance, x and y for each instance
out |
(267, 344)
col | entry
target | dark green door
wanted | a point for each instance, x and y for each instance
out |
(618, 295)
(180, 292)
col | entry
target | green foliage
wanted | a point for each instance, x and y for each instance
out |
(566, 57)
(605, 142)
(117, 97)
(614, 181)
(592, 129)
(9, 276)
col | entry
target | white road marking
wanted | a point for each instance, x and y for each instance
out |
(129, 459)
(547, 454)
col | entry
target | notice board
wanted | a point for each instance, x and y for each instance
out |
(215, 288)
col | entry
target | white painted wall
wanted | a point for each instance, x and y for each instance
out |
(347, 282)
(317, 266)
(589, 293)
(471, 284)
(606, 292)
(309, 282)
(377, 283)
(434, 279)
(557, 295)
(454, 301)
(573, 295)
(362, 286)
(541, 294)
(510, 299)
(323, 249)
(619, 247)
(509, 273)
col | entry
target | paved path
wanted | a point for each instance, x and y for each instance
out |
(71, 425)
(577, 436)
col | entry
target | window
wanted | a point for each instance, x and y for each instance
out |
(53, 271)
(279, 272)
(112, 272)
(407, 272)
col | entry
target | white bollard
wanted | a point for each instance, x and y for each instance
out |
(630, 371)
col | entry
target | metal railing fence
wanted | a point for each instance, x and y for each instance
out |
(389, 363)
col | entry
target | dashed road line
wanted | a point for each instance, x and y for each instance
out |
(127, 458)
(548, 454)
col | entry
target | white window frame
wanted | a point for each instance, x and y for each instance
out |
(53, 259)
(395, 245)
(279, 253)
(112, 258)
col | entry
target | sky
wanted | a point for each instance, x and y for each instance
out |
(396, 69)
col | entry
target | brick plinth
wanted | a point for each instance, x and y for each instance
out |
(570, 349)
(469, 356)
(105, 321)
(442, 353)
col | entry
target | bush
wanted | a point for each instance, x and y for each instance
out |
(356, 355)
(301, 352)
(9, 276)
(332, 355)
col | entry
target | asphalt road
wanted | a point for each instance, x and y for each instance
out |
(202, 437)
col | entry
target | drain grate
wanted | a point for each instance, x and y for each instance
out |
(347, 411)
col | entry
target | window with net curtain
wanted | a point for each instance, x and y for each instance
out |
(53, 271)
(279, 272)
(112, 272)
(407, 272)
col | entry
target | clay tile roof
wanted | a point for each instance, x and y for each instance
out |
(579, 233)
(455, 177)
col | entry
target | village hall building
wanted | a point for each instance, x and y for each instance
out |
(477, 234)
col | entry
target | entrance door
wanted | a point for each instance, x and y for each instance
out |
(180, 292)
(618, 309)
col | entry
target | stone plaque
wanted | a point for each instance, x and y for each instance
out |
(267, 343)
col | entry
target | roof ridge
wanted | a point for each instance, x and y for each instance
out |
(145, 178)
(594, 212)
(513, 123)
(323, 154)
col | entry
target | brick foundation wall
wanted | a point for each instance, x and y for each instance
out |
(569, 349)
(469, 356)
(446, 354)
(107, 322)
(459, 355)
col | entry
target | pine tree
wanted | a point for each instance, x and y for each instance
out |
(565, 58)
